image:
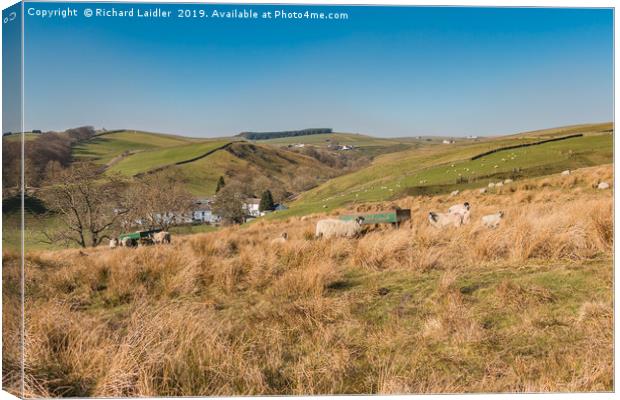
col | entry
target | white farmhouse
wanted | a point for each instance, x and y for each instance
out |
(250, 206)
(202, 212)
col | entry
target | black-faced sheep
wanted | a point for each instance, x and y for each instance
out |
(328, 228)
(461, 209)
(280, 240)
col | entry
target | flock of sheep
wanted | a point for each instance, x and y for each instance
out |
(162, 237)
(456, 215)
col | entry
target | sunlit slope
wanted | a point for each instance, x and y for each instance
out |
(103, 148)
(149, 160)
(248, 159)
(587, 129)
(441, 168)
(324, 139)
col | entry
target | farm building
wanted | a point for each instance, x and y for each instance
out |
(202, 212)
(250, 206)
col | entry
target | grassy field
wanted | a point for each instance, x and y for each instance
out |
(324, 139)
(17, 138)
(525, 307)
(104, 148)
(437, 168)
(148, 160)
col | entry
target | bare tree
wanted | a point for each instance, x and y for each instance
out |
(228, 203)
(157, 200)
(87, 203)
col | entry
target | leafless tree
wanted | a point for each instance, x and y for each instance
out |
(157, 200)
(228, 203)
(88, 205)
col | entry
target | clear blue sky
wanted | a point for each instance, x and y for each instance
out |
(386, 71)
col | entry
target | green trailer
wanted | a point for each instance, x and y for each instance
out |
(394, 217)
(139, 236)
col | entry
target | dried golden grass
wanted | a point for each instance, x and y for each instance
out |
(228, 313)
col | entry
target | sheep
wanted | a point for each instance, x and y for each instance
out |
(499, 184)
(507, 181)
(461, 209)
(483, 190)
(565, 173)
(454, 193)
(280, 240)
(491, 185)
(162, 237)
(328, 228)
(492, 220)
(113, 243)
(441, 220)
(603, 185)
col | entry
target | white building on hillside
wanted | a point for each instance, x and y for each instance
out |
(202, 212)
(250, 206)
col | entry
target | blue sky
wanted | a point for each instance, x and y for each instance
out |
(385, 71)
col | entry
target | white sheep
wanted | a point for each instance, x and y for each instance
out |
(455, 193)
(461, 209)
(507, 181)
(491, 185)
(565, 173)
(162, 237)
(499, 184)
(280, 240)
(441, 220)
(483, 190)
(492, 220)
(603, 185)
(328, 228)
(113, 243)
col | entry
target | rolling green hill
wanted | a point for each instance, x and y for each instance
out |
(199, 162)
(145, 161)
(324, 139)
(248, 159)
(442, 168)
(105, 147)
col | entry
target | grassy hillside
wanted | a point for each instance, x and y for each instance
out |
(525, 307)
(17, 138)
(323, 139)
(605, 127)
(105, 147)
(252, 160)
(438, 168)
(148, 160)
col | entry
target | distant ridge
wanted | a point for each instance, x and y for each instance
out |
(281, 134)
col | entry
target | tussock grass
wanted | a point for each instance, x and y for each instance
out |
(524, 307)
